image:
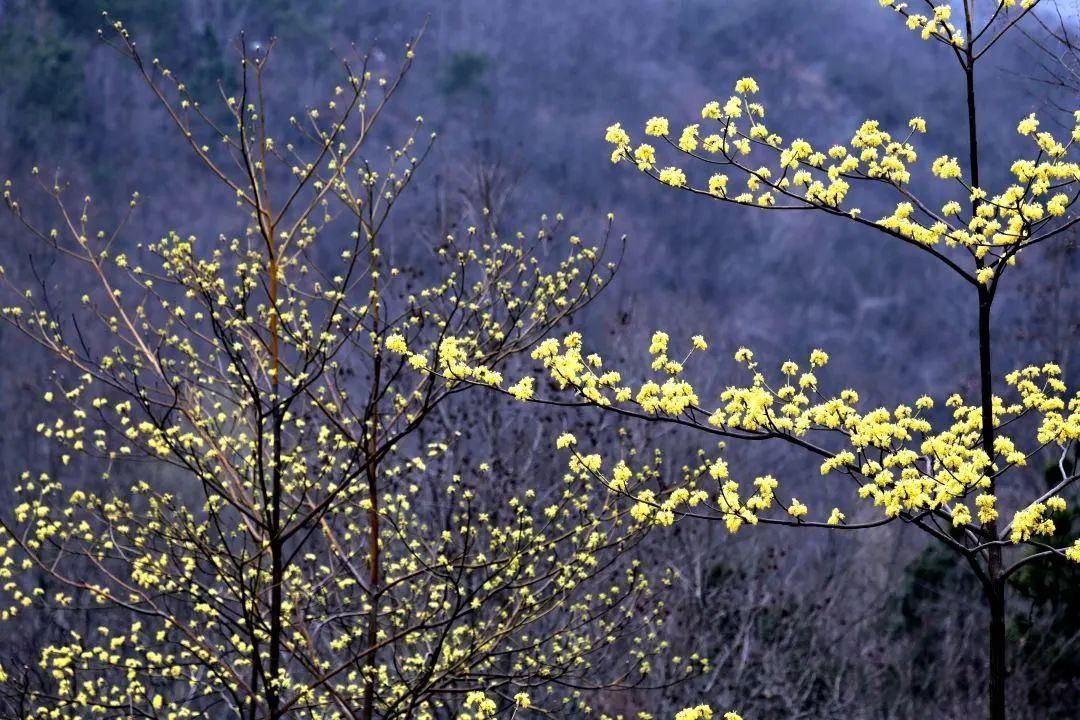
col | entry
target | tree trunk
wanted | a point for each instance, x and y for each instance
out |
(995, 582)
(995, 596)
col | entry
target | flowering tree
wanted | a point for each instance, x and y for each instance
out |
(956, 472)
(302, 550)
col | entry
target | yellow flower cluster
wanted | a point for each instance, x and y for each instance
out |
(703, 712)
(936, 26)
(901, 462)
(796, 175)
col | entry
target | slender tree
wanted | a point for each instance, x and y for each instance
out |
(959, 473)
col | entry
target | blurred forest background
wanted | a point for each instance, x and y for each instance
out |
(796, 625)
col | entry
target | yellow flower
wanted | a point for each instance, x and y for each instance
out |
(746, 85)
(656, 126)
(616, 135)
(985, 503)
(565, 440)
(701, 712)
(522, 389)
(688, 140)
(1057, 205)
(395, 343)
(659, 343)
(946, 168)
(620, 475)
(673, 176)
(718, 184)
(645, 156)
(1028, 125)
